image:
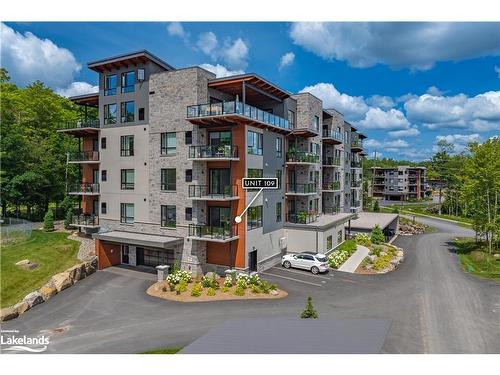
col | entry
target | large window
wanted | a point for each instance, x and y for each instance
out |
(127, 213)
(279, 147)
(314, 147)
(168, 177)
(278, 212)
(128, 111)
(127, 145)
(189, 213)
(188, 137)
(316, 123)
(291, 119)
(110, 85)
(110, 113)
(168, 216)
(128, 82)
(222, 138)
(254, 173)
(127, 179)
(279, 175)
(329, 242)
(254, 143)
(104, 208)
(168, 143)
(254, 217)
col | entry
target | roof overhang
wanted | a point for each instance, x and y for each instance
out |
(139, 239)
(256, 87)
(88, 100)
(127, 60)
(367, 220)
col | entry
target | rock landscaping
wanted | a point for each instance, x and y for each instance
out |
(56, 284)
(410, 228)
(26, 264)
(181, 286)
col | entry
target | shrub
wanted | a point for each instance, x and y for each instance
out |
(181, 287)
(196, 291)
(376, 207)
(242, 281)
(337, 258)
(178, 276)
(228, 282)
(206, 282)
(239, 291)
(48, 221)
(68, 219)
(395, 210)
(254, 279)
(255, 289)
(211, 292)
(377, 235)
(164, 288)
(380, 263)
(273, 287)
(176, 267)
(265, 287)
(309, 312)
(478, 256)
(224, 289)
(363, 239)
(376, 250)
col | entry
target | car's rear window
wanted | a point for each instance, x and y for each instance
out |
(321, 259)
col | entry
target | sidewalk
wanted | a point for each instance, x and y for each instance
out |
(355, 259)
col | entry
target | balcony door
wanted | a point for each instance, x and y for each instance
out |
(291, 179)
(219, 180)
(219, 216)
(220, 138)
(95, 176)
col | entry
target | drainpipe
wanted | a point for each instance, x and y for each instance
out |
(316, 240)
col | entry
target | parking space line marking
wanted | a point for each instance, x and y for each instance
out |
(290, 278)
(301, 273)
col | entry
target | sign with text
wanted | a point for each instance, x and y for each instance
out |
(260, 183)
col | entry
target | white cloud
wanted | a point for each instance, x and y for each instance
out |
(220, 70)
(29, 58)
(207, 42)
(497, 70)
(235, 54)
(410, 132)
(392, 119)
(384, 102)
(176, 29)
(459, 141)
(352, 107)
(433, 90)
(286, 59)
(78, 88)
(415, 45)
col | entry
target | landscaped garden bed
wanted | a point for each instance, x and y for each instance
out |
(409, 227)
(181, 286)
(476, 258)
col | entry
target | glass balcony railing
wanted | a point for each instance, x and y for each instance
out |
(335, 185)
(209, 232)
(83, 188)
(301, 157)
(301, 188)
(330, 160)
(82, 123)
(356, 164)
(356, 183)
(210, 192)
(355, 203)
(83, 156)
(239, 108)
(213, 152)
(85, 220)
(357, 143)
(303, 217)
(327, 133)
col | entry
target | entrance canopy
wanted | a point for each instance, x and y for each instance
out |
(139, 239)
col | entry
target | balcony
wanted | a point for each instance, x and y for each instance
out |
(356, 183)
(356, 164)
(90, 157)
(235, 112)
(85, 221)
(80, 128)
(304, 131)
(303, 217)
(83, 189)
(208, 153)
(332, 137)
(208, 193)
(331, 161)
(357, 145)
(331, 210)
(355, 203)
(300, 157)
(331, 186)
(301, 189)
(202, 232)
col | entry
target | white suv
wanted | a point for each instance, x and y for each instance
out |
(315, 263)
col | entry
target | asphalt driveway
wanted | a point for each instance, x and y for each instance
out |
(433, 305)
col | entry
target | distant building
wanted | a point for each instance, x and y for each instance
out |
(399, 183)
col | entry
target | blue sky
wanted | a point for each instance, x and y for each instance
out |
(404, 85)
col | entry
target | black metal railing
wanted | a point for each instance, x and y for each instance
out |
(302, 157)
(355, 203)
(84, 219)
(356, 164)
(356, 183)
(203, 231)
(357, 143)
(83, 156)
(213, 152)
(330, 160)
(303, 217)
(207, 191)
(333, 134)
(335, 185)
(301, 188)
(82, 123)
(84, 187)
(239, 108)
(331, 210)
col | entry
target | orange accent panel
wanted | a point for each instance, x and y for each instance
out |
(108, 254)
(88, 144)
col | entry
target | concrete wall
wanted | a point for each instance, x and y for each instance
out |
(301, 239)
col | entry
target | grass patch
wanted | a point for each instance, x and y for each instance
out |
(417, 209)
(476, 260)
(163, 351)
(53, 253)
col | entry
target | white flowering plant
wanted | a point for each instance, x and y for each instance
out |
(363, 239)
(242, 280)
(178, 276)
(337, 258)
(254, 279)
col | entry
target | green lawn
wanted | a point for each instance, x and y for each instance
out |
(475, 259)
(417, 209)
(53, 253)
(163, 351)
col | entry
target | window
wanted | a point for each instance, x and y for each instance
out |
(254, 217)
(141, 74)
(254, 143)
(110, 85)
(128, 111)
(222, 138)
(291, 119)
(168, 216)
(339, 236)
(279, 147)
(316, 123)
(314, 147)
(278, 212)
(127, 213)
(168, 143)
(103, 143)
(279, 174)
(329, 242)
(104, 175)
(128, 82)
(141, 114)
(189, 175)
(188, 137)
(127, 145)
(110, 114)
(127, 179)
(104, 208)
(168, 177)
(254, 173)
(189, 213)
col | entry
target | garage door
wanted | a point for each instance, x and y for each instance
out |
(153, 258)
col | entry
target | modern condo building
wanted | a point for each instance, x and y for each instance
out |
(162, 165)
(399, 183)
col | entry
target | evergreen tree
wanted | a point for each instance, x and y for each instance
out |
(376, 207)
(309, 312)
(377, 236)
(48, 221)
(68, 219)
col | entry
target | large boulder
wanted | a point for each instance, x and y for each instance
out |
(212, 275)
(90, 266)
(21, 307)
(76, 273)
(8, 313)
(33, 299)
(62, 281)
(48, 290)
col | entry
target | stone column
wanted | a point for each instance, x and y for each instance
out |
(162, 272)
